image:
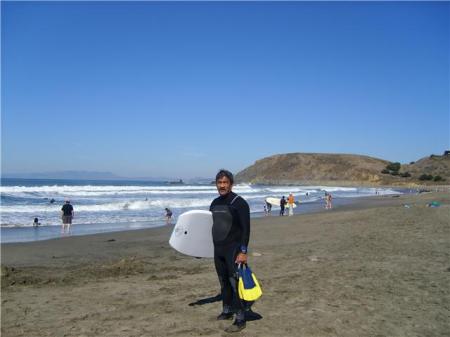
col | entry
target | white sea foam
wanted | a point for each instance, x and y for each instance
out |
(94, 188)
(116, 204)
(108, 207)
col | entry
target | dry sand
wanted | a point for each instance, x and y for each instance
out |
(374, 269)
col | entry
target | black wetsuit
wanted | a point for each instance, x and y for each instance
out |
(231, 233)
(282, 206)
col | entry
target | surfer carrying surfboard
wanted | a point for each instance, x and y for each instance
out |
(291, 204)
(231, 233)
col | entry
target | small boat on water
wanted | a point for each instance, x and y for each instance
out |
(178, 182)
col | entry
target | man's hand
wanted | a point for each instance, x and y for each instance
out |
(241, 258)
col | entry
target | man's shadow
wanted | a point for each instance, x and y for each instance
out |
(250, 315)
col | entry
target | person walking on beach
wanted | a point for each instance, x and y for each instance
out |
(291, 204)
(328, 200)
(231, 234)
(282, 205)
(67, 216)
(269, 207)
(168, 216)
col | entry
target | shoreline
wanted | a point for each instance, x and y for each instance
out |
(62, 242)
(42, 233)
(361, 203)
(374, 268)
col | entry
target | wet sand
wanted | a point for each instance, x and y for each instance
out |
(375, 268)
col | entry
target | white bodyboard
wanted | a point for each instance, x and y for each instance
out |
(192, 234)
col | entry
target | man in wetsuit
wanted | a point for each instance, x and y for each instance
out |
(231, 233)
(282, 205)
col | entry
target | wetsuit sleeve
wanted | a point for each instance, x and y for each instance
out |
(244, 220)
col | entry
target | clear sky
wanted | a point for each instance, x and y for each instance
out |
(182, 89)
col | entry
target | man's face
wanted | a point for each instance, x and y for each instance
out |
(223, 186)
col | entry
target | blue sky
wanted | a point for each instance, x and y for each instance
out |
(183, 89)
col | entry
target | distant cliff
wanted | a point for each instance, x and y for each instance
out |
(342, 169)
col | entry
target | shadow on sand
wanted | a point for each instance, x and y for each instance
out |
(250, 315)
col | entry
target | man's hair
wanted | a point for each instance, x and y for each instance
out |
(225, 173)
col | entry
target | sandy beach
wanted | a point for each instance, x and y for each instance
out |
(376, 268)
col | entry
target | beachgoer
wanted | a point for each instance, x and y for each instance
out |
(52, 200)
(282, 205)
(168, 216)
(291, 204)
(36, 222)
(328, 201)
(269, 207)
(67, 215)
(231, 233)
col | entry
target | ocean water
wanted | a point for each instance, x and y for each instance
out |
(107, 206)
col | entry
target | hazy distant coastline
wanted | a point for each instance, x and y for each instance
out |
(90, 175)
(329, 169)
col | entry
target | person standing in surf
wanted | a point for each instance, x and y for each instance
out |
(329, 198)
(168, 215)
(67, 216)
(231, 234)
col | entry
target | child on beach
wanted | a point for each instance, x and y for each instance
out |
(168, 216)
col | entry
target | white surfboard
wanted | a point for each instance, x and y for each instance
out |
(192, 234)
(276, 202)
